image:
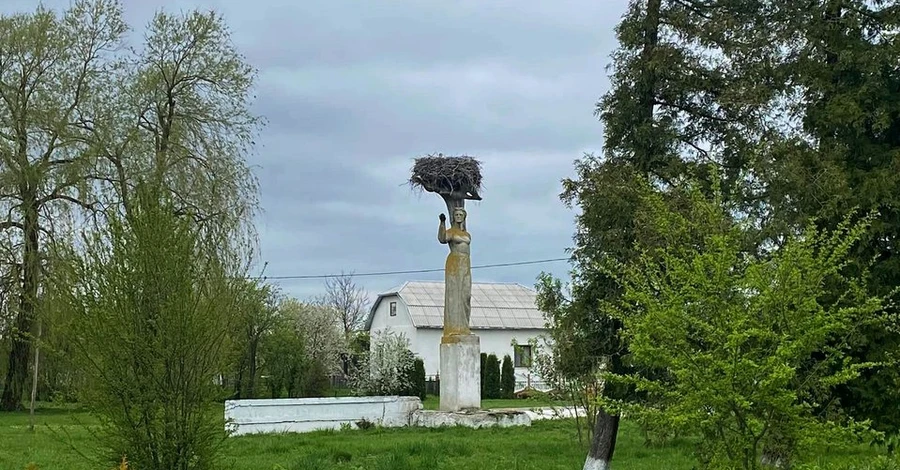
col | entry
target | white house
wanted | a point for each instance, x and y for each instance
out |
(502, 314)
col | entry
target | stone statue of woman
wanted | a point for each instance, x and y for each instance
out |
(457, 274)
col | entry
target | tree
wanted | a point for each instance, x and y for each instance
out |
(258, 314)
(387, 368)
(181, 112)
(749, 339)
(841, 153)
(301, 349)
(320, 327)
(492, 377)
(507, 378)
(51, 68)
(679, 103)
(483, 371)
(348, 299)
(418, 376)
(82, 121)
(154, 308)
(283, 354)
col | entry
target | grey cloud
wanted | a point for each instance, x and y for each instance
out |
(353, 91)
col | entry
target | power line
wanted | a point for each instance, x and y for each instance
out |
(414, 271)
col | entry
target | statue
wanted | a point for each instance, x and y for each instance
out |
(455, 180)
(457, 274)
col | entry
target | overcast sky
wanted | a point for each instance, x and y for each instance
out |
(354, 91)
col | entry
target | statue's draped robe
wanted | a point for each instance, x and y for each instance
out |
(457, 283)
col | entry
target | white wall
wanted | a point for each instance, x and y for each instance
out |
(311, 414)
(497, 342)
(401, 323)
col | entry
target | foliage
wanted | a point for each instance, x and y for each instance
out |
(84, 120)
(320, 326)
(492, 377)
(257, 315)
(154, 308)
(315, 380)
(302, 349)
(418, 379)
(483, 370)
(507, 378)
(52, 67)
(387, 368)
(841, 152)
(283, 356)
(751, 345)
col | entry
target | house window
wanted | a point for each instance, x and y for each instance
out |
(522, 356)
(393, 309)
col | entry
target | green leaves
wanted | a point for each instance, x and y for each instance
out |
(748, 341)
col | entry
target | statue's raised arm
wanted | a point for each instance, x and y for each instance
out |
(442, 229)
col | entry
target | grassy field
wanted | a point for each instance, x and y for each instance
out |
(63, 435)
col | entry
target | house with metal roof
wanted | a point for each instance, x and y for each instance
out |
(503, 314)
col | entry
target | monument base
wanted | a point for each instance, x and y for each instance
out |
(471, 419)
(460, 373)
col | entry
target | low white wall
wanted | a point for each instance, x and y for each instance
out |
(311, 414)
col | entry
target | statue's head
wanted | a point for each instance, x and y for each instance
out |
(459, 216)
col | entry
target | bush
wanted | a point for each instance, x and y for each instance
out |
(314, 380)
(492, 377)
(153, 311)
(387, 368)
(419, 378)
(507, 378)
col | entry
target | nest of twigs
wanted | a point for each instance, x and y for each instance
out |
(447, 175)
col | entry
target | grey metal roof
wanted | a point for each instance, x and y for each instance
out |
(494, 305)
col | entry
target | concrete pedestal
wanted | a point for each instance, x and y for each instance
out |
(460, 373)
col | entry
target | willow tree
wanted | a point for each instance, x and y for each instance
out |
(82, 120)
(51, 68)
(183, 118)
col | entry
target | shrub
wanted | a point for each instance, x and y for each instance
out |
(154, 306)
(492, 377)
(483, 369)
(387, 368)
(507, 378)
(419, 378)
(314, 380)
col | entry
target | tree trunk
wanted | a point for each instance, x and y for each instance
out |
(19, 355)
(34, 378)
(251, 381)
(603, 443)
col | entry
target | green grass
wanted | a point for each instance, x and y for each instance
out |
(62, 435)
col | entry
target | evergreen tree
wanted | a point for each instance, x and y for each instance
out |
(483, 369)
(492, 377)
(419, 378)
(507, 378)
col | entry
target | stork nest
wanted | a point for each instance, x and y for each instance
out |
(445, 175)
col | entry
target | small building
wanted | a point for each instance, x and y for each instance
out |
(503, 315)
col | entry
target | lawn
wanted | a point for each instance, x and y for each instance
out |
(62, 436)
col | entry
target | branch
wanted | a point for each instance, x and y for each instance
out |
(55, 195)
(6, 225)
(692, 111)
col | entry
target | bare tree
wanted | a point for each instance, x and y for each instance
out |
(348, 300)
